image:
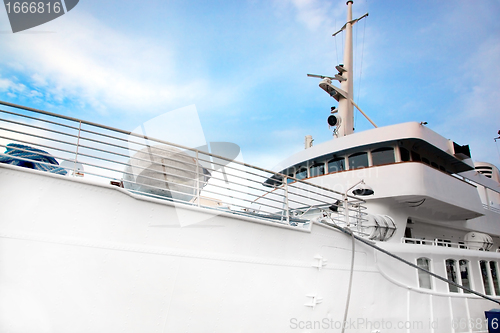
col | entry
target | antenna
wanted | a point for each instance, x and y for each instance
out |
(344, 95)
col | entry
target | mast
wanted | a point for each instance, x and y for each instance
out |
(344, 121)
(346, 109)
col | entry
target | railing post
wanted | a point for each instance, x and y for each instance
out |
(77, 146)
(197, 179)
(346, 212)
(287, 208)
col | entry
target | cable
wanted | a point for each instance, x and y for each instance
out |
(361, 66)
(348, 232)
(350, 285)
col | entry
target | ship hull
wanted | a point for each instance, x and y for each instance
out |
(77, 256)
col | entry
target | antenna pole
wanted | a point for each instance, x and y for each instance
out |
(346, 109)
(345, 94)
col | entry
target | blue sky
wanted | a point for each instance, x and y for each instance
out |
(243, 64)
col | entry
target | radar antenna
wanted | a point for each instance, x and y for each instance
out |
(344, 95)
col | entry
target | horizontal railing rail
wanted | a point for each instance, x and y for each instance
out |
(164, 170)
(433, 242)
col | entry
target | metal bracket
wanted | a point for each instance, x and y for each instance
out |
(315, 300)
(320, 263)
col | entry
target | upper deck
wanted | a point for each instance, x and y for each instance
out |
(419, 143)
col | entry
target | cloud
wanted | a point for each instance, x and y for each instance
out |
(312, 12)
(7, 85)
(88, 62)
(315, 14)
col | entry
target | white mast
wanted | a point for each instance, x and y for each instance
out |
(346, 110)
(344, 121)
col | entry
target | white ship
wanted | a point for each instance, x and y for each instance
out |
(393, 229)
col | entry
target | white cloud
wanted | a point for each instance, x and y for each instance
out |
(88, 61)
(11, 86)
(314, 14)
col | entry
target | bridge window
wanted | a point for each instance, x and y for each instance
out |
(464, 274)
(415, 157)
(301, 173)
(317, 169)
(405, 154)
(337, 164)
(383, 156)
(451, 272)
(486, 278)
(424, 279)
(358, 160)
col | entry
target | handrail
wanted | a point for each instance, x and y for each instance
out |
(166, 170)
(156, 140)
(433, 242)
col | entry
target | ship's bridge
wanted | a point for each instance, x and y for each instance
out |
(410, 142)
(407, 164)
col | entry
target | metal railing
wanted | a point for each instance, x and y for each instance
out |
(165, 170)
(433, 242)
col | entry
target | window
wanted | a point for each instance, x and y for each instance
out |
(415, 157)
(494, 276)
(451, 272)
(317, 169)
(426, 161)
(424, 279)
(464, 274)
(337, 164)
(405, 154)
(383, 156)
(358, 160)
(302, 173)
(486, 279)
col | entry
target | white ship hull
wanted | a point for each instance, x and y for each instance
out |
(76, 256)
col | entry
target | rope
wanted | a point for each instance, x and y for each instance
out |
(350, 285)
(348, 232)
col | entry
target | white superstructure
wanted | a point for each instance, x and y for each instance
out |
(391, 229)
